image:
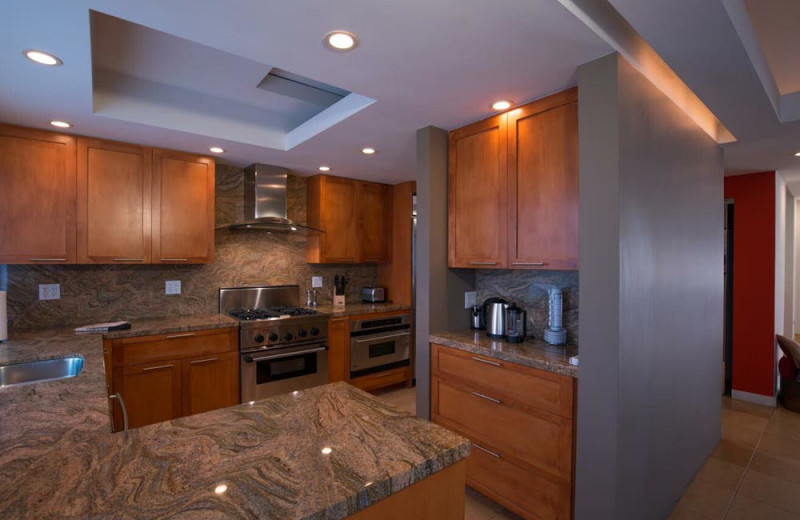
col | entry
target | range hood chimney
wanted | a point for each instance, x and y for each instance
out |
(265, 202)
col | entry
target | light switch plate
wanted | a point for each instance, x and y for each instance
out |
(316, 281)
(172, 287)
(470, 299)
(49, 291)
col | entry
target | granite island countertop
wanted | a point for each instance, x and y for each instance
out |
(59, 459)
(533, 352)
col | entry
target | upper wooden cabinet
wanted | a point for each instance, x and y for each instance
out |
(183, 208)
(114, 185)
(513, 188)
(355, 217)
(37, 198)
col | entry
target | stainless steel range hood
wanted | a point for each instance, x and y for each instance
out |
(265, 202)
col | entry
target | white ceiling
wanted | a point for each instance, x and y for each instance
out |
(425, 63)
(775, 23)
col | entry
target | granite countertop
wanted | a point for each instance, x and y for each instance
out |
(355, 309)
(152, 327)
(533, 352)
(59, 459)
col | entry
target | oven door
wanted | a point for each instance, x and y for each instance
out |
(268, 373)
(371, 352)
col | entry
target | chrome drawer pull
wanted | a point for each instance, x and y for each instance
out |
(129, 259)
(490, 452)
(174, 259)
(199, 361)
(157, 368)
(487, 361)
(175, 336)
(483, 263)
(492, 399)
(384, 374)
(529, 263)
(47, 259)
(119, 398)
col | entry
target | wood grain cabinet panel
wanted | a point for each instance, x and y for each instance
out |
(183, 208)
(210, 382)
(477, 193)
(543, 184)
(374, 235)
(37, 199)
(114, 195)
(152, 393)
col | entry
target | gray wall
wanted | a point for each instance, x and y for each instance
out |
(651, 291)
(440, 291)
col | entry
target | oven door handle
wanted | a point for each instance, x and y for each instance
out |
(251, 359)
(381, 338)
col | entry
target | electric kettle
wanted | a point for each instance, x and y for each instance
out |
(516, 324)
(494, 314)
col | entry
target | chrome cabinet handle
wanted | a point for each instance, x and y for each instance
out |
(251, 359)
(483, 263)
(199, 361)
(383, 374)
(175, 336)
(124, 409)
(482, 396)
(381, 338)
(487, 361)
(47, 259)
(157, 368)
(174, 259)
(129, 259)
(529, 263)
(490, 452)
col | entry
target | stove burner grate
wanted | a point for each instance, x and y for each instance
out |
(270, 312)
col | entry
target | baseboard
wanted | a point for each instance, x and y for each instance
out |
(763, 400)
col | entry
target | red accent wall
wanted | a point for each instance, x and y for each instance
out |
(753, 281)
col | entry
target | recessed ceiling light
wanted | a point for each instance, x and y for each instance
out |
(41, 57)
(797, 154)
(368, 151)
(341, 41)
(324, 168)
(503, 104)
(216, 149)
(61, 124)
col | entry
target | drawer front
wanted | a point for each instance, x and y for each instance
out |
(532, 495)
(381, 379)
(149, 349)
(537, 438)
(529, 386)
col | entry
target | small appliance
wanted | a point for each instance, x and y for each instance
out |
(516, 324)
(475, 321)
(494, 314)
(373, 294)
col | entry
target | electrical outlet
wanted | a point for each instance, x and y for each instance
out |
(172, 287)
(470, 299)
(316, 281)
(49, 291)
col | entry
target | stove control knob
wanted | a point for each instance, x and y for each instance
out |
(273, 336)
(314, 331)
(302, 333)
(259, 339)
(288, 336)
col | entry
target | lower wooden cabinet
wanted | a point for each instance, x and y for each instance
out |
(167, 376)
(523, 442)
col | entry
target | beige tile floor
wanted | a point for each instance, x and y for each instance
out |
(754, 473)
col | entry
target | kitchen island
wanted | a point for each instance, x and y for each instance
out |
(322, 453)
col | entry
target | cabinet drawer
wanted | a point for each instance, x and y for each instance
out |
(149, 349)
(381, 379)
(530, 494)
(541, 439)
(509, 381)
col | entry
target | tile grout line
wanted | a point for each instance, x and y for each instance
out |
(747, 467)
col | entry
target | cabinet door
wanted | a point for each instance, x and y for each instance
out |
(338, 349)
(114, 192)
(210, 382)
(37, 198)
(338, 207)
(374, 203)
(152, 393)
(477, 194)
(543, 184)
(183, 208)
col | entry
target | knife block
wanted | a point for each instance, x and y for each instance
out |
(338, 301)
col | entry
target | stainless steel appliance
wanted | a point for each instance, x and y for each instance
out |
(494, 313)
(475, 321)
(282, 347)
(378, 344)
(516, 324)
(373, 294)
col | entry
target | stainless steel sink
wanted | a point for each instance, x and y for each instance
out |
(41, 370)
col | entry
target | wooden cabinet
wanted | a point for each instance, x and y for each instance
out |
(355, 217)
(167, 376)
(521, 423)
(183, 208)
(113, 203)
(513, 188)
(37, 198)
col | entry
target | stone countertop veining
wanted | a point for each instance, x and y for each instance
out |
(151, 327)
(534, 353)
(59, 459)
(355, 309)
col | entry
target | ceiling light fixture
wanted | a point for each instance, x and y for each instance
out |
(324, 168)
(503, 104)
(216, 149)
(61, 124)
(797, 154)
(341, 41)
(42, 58)
(368, 151)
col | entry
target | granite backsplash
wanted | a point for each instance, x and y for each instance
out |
(528, 289)
(93, 293)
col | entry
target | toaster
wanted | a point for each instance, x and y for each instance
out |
(373, 294)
